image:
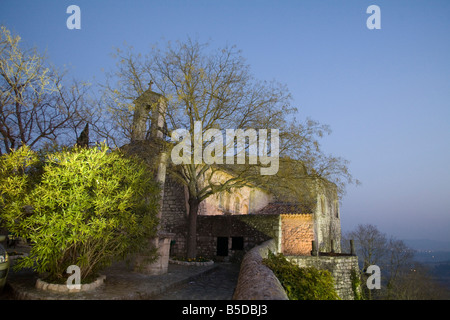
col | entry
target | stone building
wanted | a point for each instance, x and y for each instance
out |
(230, 223)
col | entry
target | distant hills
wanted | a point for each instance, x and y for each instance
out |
(427, 244)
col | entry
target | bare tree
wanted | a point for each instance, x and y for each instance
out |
(37, 105)
(402, 277)
(371, 249)
(216, 88)
(371, 244)
(399, 259)
(414, 282)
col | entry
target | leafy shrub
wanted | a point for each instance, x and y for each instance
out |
(302, 283)
(84, 207)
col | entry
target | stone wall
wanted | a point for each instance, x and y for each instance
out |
(246, 230)
(340, 267)
(297, 234)
(252, 229)
(256, 281)
(242, 200)
(327, 219)
(174, 215)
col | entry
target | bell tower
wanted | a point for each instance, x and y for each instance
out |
(152, 105)
(148, 105)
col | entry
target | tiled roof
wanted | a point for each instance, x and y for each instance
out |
(284, 208)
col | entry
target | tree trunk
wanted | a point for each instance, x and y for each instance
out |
(192, 229)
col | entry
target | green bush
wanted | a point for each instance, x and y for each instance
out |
(302, 283)
(84, 207)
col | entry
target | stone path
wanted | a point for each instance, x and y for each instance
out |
(181, 282)
(216, 285)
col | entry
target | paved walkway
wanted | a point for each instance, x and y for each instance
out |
(122, 283)
(219, 284)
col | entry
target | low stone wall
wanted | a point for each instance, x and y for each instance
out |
(192, 263)
(256, 281)
(63, 288)
(340, 266)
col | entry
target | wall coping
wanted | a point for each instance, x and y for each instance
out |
(63, 288)
(256, 281)
(191, 263)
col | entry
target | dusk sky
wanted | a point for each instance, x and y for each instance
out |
(384, 92)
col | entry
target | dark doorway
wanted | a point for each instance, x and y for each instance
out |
(222, 246)
(237, 243)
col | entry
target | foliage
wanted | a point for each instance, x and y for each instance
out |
(356, 285)
(302, 283)
(16, 181)
(86, 207)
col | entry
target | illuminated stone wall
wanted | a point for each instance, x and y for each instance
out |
(256, 281)
(341, 267)
(297, 234)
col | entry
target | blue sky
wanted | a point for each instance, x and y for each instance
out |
(385, 93)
